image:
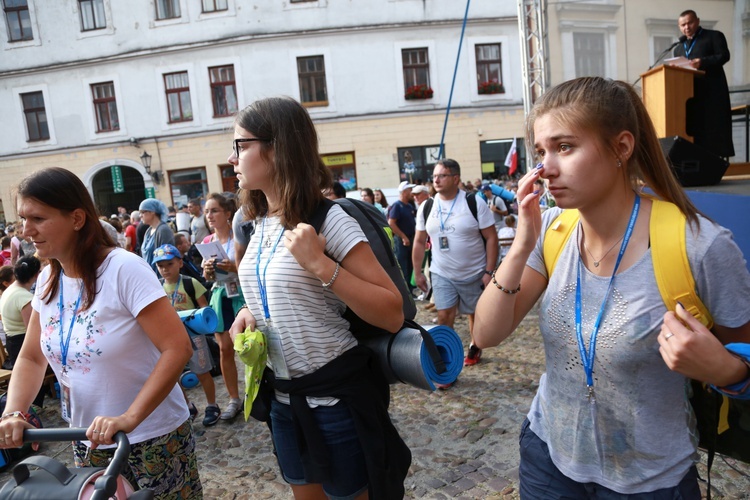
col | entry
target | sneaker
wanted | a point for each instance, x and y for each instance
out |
(212, 415)
(233, 408)
(473, 357)
(193, 411)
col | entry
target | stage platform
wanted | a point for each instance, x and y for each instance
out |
(728, 203)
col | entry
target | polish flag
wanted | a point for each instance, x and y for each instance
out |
(511, 161)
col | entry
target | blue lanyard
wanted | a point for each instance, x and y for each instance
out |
(65, 344)
(588, 357)
(440, 212)
(692, 42)
(262, 290)
(177, 289)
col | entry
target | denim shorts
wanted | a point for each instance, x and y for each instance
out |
(448, 293)
(348, 470)
(540, 478)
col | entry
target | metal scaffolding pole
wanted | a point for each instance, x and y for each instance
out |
(532, 28)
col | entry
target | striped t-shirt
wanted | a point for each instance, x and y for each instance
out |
(307, 316)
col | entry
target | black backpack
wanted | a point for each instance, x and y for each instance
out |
(380, 237)
(187, 283)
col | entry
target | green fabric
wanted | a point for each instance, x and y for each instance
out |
(252, 349)
(219, 292)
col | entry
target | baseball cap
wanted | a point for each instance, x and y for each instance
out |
(166, 252)
(419, 189)
(404, 186)
(486, 187)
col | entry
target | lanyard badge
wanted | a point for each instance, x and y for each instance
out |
(65, 389)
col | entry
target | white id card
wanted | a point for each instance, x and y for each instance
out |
(276, 353)
(65, 405)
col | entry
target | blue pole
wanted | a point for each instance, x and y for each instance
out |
(453, 83)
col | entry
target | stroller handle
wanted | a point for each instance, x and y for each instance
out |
(79, 434)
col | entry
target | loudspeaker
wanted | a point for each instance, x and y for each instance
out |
(693, 165)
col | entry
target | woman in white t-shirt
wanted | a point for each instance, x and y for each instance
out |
(102, 321)
(297, 284)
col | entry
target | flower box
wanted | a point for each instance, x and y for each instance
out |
(491, 88)
(418, 92)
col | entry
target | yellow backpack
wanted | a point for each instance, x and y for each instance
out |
(668, 252)
(716, 414)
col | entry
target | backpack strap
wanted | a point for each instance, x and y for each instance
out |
(319, 215)
(557, 234)
(187, 282)
(671, 266)
(427, 209)
(471, 200)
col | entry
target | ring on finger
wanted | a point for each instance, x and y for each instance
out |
(668, 336)
(96, 432)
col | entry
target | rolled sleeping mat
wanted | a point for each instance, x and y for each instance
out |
(188, 380)
(406, 356)
(203, 320)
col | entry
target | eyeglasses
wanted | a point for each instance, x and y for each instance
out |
(236, 143)
(440, 177)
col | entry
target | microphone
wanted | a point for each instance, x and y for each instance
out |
(682, 39)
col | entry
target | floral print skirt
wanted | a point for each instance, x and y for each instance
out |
(166, 464)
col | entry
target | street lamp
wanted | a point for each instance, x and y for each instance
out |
(146, 162)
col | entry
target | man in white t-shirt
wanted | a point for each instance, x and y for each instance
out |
(496, 205)
(464, 249)
(198, 228)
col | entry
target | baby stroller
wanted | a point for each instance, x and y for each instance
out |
(53, 480)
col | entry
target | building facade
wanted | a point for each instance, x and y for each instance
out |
(92, 85)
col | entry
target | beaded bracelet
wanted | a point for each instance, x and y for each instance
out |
(502, 288)
(333, 278)
(13, 414)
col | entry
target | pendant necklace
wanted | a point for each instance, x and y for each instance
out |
(599, 261)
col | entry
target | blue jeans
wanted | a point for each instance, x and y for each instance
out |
(541, 479)
(348, 470)
(403, 255)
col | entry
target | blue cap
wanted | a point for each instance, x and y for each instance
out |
(166, 252)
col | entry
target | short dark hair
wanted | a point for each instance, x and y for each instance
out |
(451, 165)
(339, 190)
(5, 241)
(178, 236)
(687, 13)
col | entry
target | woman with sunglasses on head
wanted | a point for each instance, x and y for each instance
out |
(329, 419)
(219, 211)
(611, 417)
(116, 345)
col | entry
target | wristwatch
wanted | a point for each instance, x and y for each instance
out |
(489, 273)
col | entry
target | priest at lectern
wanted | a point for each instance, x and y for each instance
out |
(709, 115)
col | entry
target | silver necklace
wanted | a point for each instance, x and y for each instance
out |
(598, 261)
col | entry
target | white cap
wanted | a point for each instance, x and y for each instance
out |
(405, 185)
(420, 189)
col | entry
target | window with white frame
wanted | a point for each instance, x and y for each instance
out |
(214, 5)
(18, 19)
(589, 54)
(489, 69)
(223, 90)
(92, 15)
(416, 69)
(167, 9)
(177, 88)
(661, 43)
(36, 116)
(311, 72)
(105, 107)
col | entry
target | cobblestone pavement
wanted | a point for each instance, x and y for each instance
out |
(464, 440)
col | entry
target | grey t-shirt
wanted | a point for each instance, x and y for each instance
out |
(639, 436)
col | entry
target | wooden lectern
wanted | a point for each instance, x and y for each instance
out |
(666, 90)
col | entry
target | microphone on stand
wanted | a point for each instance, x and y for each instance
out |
(664, 53)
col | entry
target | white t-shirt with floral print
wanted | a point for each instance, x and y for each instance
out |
(109, 356)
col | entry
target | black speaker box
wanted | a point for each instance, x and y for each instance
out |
(693, 165)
